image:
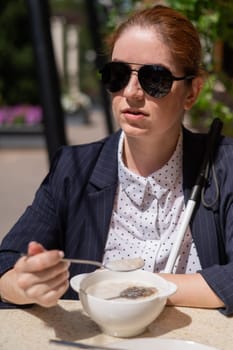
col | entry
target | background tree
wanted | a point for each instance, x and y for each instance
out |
(214, 22)
(17, 67)
(213, 19)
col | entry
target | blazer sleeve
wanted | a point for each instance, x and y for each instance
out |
(216, 227)
(40, 221)
(55, 216)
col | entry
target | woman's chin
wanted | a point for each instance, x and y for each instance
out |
(134, 128)
(134, 132)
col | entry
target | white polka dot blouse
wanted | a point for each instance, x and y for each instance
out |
(147, 214)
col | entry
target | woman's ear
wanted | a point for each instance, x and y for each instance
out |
(193, 93)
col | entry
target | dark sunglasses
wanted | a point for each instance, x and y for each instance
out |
(155, 80)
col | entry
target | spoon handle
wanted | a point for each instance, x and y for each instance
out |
(83, 261)
(122, 265)
(74, 261)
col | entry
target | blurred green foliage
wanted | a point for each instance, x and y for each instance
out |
(214, 22)
(17, 67)
(213, 19)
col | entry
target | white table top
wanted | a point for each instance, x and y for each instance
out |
(32, 328)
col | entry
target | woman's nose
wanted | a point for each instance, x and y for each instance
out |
(133, 88)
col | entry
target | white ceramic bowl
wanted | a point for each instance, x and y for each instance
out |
(122, 317)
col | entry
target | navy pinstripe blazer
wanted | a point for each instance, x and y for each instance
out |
(72, 209)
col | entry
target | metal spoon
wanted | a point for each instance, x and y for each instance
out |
(135, 292)
(121, 265)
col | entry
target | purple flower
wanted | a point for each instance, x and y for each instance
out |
(3, 115)
(21, 114)
(33, 115)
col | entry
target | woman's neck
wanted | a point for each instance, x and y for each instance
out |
(144, 157)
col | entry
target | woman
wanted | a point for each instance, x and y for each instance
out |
(125, 195)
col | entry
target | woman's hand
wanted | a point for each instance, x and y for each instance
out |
(41, 277)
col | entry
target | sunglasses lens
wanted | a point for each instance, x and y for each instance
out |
(155, 80)
(115, 76)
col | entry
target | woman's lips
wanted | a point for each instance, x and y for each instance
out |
(134, 114)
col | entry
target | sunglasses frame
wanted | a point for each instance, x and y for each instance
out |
(152, 88)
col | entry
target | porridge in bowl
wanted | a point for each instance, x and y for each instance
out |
(100, 296)
(122, 290)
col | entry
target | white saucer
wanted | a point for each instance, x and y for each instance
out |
(161, 344)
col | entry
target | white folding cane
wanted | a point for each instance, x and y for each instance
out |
(213, 136)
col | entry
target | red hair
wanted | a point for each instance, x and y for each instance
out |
(175, 30)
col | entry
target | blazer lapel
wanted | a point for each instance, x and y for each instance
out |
(203, 221)
(101, 193)
(193, 149)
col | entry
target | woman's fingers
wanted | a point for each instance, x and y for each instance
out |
(40, 261)
(52, 296)
(35, 248)
(42, 276)
(47, 293)
(28, 278)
